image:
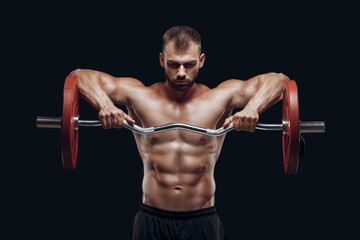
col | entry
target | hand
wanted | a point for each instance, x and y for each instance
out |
(244, 120)
(113, 117)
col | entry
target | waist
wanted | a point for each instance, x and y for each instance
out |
(178, 192)
(177, 214)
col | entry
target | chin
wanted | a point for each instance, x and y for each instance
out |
(181, 87)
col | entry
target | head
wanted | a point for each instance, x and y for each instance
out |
(181, 57)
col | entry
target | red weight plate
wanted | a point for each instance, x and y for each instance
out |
(291, 128)
(69, 134)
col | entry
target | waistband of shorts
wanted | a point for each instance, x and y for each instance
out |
(175, 214)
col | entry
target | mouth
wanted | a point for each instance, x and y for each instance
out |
(182, 80)
(182, 83)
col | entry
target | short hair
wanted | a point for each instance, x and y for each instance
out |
(182, 35)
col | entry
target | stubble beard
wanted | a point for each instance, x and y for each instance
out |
(181, 87)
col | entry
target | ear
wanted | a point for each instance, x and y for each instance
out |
(162, 59)
(202, 60)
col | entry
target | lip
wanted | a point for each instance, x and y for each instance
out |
(181, 81)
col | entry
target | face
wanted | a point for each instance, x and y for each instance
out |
(181, 66)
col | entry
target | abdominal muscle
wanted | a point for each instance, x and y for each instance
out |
(178, 174)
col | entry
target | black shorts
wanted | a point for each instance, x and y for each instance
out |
(153, 223)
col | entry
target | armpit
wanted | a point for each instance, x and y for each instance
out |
(133, 115)
(226, 114)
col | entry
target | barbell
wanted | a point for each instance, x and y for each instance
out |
(291, 126)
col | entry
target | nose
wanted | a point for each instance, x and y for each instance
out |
(181, 72)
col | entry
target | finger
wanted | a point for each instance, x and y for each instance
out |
(129, 119)
(228, 121)
(113, 120)
(253, 125)
(242, 124)
(107, 121)
(237, 123)
(101, 118)
(245, 124)
(255, 121)
(119, 121)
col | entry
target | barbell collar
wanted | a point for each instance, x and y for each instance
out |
(312, 127)
(48, 122)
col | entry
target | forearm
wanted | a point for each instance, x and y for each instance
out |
(269, 91)
(90, 86)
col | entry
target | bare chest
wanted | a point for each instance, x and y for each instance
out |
(199, 112)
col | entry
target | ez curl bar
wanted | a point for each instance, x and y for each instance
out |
(291, 126)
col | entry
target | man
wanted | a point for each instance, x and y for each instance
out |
(178, 184)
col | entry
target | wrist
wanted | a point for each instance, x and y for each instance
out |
(252, 107)
(105, 102)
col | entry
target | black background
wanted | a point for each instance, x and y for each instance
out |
(312, 44)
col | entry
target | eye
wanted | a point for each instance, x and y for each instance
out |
(190, 65)
(173, 64)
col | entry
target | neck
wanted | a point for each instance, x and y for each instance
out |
(177, 95)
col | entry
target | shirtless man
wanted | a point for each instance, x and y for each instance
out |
(178, 184)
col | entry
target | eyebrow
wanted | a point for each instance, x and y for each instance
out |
(188, 62)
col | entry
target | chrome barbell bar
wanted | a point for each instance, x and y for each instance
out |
(55, 122)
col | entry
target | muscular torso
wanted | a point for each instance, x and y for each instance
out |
(179, 165)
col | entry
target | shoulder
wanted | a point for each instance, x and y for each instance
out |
(202, 88)
(233, 93)
(156, 86)
(229, 86)
(123, 90)
(231, 83)
(129, 82)
(239, 87)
